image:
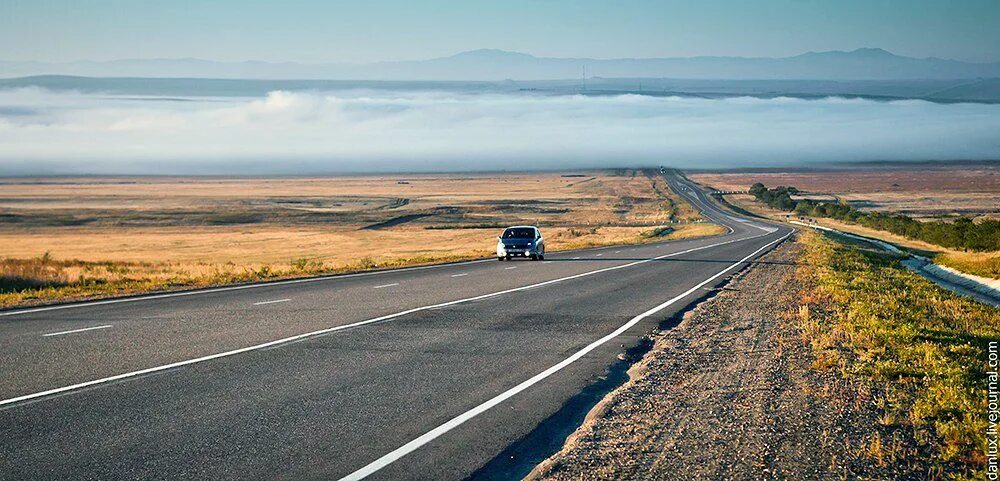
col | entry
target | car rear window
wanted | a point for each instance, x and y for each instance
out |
(519, 233)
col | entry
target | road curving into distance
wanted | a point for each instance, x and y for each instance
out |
(420, 373)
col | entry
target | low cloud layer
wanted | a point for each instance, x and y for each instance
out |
(44, 132)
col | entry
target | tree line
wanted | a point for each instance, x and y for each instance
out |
(962, 233)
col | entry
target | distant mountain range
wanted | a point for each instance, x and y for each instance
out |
(493, 65)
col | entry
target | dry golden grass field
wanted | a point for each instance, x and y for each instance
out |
(924, 193)
(82, 237)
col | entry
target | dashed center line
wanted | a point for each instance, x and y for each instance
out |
(577, 257)
(386, 285)
(459, 275)
(76, 330)
(599, 255)
(509, 268)
(261, 303)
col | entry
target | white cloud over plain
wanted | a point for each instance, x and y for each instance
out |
(44, 132)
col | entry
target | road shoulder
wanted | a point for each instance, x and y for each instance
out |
(729, 394)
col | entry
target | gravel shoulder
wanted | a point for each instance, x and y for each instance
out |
(729, 393)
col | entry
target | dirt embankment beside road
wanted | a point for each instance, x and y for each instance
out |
(729, 393)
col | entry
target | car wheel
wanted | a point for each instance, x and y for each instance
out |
(534, 257)
(508, 257)
(499, 258)
(541, 257)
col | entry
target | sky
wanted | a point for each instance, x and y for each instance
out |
(316, 31)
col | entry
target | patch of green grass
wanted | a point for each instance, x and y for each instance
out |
(866, 315)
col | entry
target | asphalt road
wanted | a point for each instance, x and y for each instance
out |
(423, 373)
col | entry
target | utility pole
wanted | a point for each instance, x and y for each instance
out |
(584, 77)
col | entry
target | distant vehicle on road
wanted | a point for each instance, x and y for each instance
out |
(521, 241)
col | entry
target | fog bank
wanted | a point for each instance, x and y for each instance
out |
(46, 132)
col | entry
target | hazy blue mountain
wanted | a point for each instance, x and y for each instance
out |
(492, 65)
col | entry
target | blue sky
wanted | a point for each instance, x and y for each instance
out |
(363, 31)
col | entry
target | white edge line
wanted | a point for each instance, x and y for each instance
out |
(352, 325)
(386, 285)
(705, 205)
(460, 275)
(261, 303)
(456, 421)
(76, 330)
(235, 288)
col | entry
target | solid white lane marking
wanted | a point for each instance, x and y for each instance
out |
(509, 268)
(261, 303)
(456, 421)
(236, 288)
(386, 317)
(91, 388)
(386, 285)
(749, 223)
(459, 275)
(76, 330)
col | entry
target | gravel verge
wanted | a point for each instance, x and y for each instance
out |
(729, 393)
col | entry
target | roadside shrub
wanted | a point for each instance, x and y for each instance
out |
(962, 233)
(21, 274)
(306, 266)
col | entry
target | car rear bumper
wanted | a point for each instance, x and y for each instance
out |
(516, 252)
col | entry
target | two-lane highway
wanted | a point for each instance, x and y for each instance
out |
(423, 373)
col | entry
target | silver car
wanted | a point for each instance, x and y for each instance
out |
(521, 241)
